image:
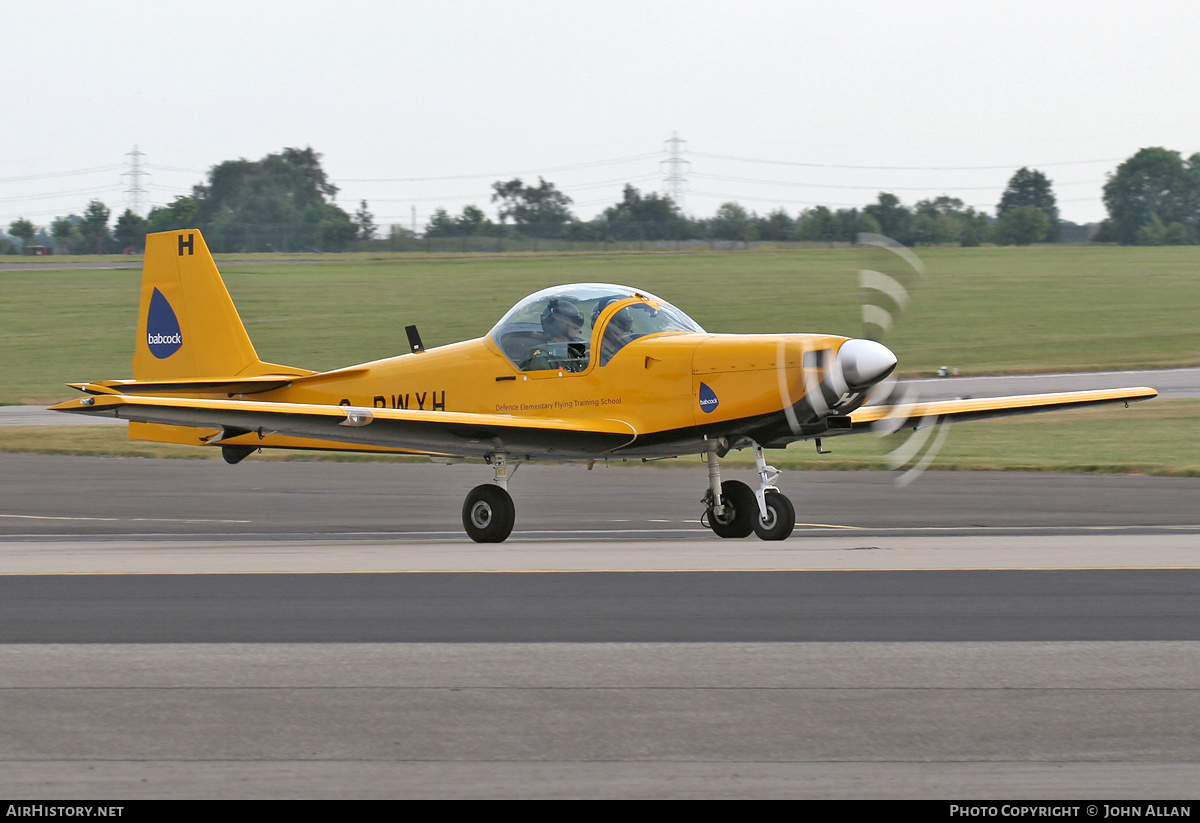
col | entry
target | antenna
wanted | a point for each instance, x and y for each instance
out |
(675, 167)
(133, 194)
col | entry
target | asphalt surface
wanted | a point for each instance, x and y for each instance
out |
(49, 496)
(605, 607)
(1172, 384)
(173, 628)
(998, 722)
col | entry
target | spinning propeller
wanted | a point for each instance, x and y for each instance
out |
(861, 372)
(886, 292)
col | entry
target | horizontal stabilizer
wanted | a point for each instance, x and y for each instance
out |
(226, 385)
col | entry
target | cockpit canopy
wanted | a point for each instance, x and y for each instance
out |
(560, 327)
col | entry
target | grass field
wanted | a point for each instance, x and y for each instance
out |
(986, 311)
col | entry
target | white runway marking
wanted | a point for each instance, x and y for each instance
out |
(119, 519)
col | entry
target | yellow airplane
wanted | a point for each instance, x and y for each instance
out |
(586, 371)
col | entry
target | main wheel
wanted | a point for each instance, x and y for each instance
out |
(781, 518)
(488, 514)
(741, 510)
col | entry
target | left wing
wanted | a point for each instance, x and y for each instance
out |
(923, 414)
(423, 432)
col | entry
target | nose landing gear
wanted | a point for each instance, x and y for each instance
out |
(780, 519)
(732, 509)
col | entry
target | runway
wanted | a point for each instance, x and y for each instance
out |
(190, 629)
(605, 607)
(1172, 384)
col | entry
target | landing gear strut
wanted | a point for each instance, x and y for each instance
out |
(776, 515)
(488, 513)
(732, 509)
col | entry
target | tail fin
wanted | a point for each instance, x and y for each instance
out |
(187, 324)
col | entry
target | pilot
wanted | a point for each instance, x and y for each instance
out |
(561, 323)
(616, 333)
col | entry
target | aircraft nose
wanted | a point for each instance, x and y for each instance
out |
(865, 362)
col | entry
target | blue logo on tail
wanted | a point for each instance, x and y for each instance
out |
(162, 327)
(708, 399)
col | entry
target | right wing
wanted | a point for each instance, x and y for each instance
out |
(916, 415)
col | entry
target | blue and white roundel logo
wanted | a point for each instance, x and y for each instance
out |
(708, 399)
(162, 327)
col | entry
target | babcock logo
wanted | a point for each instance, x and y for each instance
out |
(708, 399)
(162, 327)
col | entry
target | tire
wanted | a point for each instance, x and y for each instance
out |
(781, 518)
(488, 514)
(741, 510)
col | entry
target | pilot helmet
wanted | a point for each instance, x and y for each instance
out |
(622, 321)
(561, 318)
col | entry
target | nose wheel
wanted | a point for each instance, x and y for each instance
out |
(779, 520)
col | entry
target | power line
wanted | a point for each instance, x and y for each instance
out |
(106, 189)
(673, 169)
(759, 181)
(581, 187)
(775, 200)
(592, 164)
(174, 168)
(49, 175)
(600, 183)
(900, 168)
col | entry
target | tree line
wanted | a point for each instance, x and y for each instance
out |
(285, 202)
(1027, 214)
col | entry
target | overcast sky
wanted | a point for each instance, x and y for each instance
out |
(774, 99)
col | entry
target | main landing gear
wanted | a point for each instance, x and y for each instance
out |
(732, 509)
(488, 513)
